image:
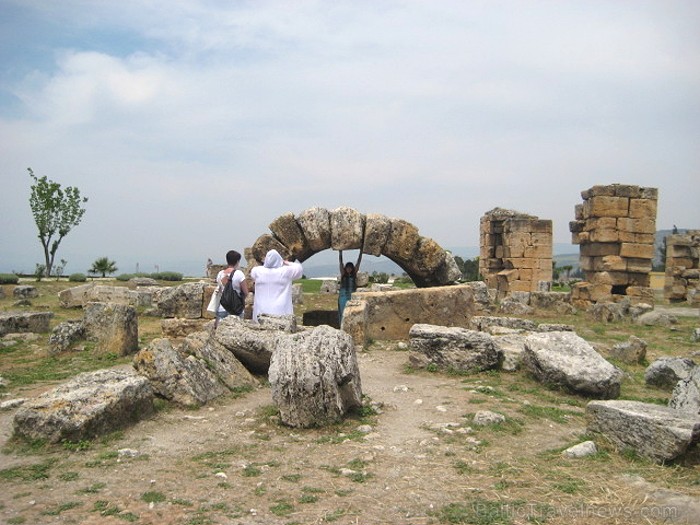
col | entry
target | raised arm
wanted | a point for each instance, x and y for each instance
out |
(340, 261)
(359, 260)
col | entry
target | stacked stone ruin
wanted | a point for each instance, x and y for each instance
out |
(682, 280)
(615, 228)
(317, 229)
(515, 252)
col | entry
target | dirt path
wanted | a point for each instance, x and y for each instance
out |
(419, 462)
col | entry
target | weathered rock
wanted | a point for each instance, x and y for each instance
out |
(587, 448)
(285, 323)
(452, 348)
(80, 296)
(314, 377)
(36, 322)
(65, 335)
(695, 336)
(25, 291)
(609, 312)
(315, 226)
(251, 343)
(665, 372)
(559, 302)
(185, 300)
(486, 417)
(11, 404)
(686, 394)
(511, 347)
(347, 228)
(89, 405)
(554, 327)
(483, 323)
(390, 315)
(136, 282)
(654, 318)
(286, 229)
(76, 296)
(264, 244)
(228, 370)
(176, 327)
(329, 287)
(377, 232)
(403, 241)
(177, 376)
(633, 351)
(114, 327)
(655, 432)
(515, 307)
(565, 359)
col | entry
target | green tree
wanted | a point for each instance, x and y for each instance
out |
(104, 266)
(56, 212)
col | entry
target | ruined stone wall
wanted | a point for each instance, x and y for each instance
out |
(682, 282)
(515, 252)
(615, 228)
(389, 315)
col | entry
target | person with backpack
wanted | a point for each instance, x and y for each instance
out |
(237, 277)
(273, 285)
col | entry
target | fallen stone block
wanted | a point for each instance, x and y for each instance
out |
(653, 431)
(89, 405)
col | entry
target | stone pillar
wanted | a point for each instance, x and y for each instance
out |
(682, 280)
(615, 228)
(515, 251)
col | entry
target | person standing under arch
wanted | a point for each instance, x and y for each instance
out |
(348, 282)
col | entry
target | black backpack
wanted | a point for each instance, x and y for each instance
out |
(231, 300)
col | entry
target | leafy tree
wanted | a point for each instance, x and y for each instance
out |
(104, 266)
(56, 212)
(468, 267)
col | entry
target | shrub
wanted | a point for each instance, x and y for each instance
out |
(8, 278)
(166, 276)
(77, 278)
(124, 276)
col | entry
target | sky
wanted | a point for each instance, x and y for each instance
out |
(191, 125)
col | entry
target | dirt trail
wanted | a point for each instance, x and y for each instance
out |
(228, 463)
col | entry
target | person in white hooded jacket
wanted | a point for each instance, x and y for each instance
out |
(273, 285)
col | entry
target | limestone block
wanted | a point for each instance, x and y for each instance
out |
(452, 348)
(653, 431)
(76, 296)
(601, 223)
(25, 291)
(609, 263)
(89, 405)
(36, 322)
(637, 251)
(599, 249)
(686, 394)
(264, 244)
(643, 209)
(521, 263)
(347, 228)
(639, 265)
(355, 321)
(114, 327)
(315, 224)
(644, 238)
(286, 229)
(184, 300)
(377, 232)
(177, 376)
(599, 190)
(542, 251)
(666, 372)
(633, 351)
(314, 377)
(567, 360)
(578, 212)
(576, 226)
(604, 235)
(605, 206)
(251, 343)
(403, 241)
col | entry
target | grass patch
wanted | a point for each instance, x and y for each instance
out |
(33, 472)
(153, 496)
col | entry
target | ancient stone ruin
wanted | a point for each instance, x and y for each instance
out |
(615, 228)
(515, 252)
(318, 229)
(682, 282)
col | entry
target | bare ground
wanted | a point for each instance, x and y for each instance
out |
(421, 462)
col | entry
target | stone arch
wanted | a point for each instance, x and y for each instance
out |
(344, 228)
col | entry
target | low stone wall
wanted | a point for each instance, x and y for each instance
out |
(16, 322)
(389, 315)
